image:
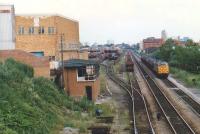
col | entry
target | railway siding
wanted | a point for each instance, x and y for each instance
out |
(137, 118)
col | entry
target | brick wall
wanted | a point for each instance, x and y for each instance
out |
(74, 54)
(48, 43)
(77, 88)
(40, 65)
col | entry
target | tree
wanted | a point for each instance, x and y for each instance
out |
(189, 42)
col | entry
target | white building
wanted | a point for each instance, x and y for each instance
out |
(7, 27)
(164, 35)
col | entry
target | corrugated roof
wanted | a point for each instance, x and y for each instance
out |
(78, 63)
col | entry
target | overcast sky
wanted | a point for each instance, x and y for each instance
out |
(121, 20)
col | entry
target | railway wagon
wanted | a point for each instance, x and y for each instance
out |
(160, 68)
(111, 54)
(129, 62)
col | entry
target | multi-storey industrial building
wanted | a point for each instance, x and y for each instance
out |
(7, 27)
(42, 35)
(152, 42)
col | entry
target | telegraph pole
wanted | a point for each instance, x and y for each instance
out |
(62, 62)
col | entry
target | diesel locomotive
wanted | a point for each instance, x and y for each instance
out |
(160, 68)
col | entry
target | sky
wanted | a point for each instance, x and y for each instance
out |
(127, 21)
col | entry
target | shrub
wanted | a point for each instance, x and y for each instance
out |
(31, 105)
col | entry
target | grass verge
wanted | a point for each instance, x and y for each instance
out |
(190, 79)
(102, 77)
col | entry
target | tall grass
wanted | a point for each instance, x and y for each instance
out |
(191, 79)
(33, 105)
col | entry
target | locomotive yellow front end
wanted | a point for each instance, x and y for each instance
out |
(163, 69)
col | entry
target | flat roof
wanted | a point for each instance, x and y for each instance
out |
(74, 63)
(46, 15)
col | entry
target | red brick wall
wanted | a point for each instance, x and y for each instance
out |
(77, 88)
(40, 65)
(151, 43)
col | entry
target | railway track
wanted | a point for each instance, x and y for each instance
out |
(175, 120)
(143, 122)
(195, 106)
(139, 111)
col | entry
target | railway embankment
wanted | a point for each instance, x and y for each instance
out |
(35, 105)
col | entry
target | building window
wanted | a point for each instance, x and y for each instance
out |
(21, 30)
(90, 70)
(52, 58)
(51, 30)
(81, 71)
(31, 30)
(38, 54)
(41, 30)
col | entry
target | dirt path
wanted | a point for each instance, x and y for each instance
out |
(119, 100)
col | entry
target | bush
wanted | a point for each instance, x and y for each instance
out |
(31, 105)
(186, 58)
(192, 80)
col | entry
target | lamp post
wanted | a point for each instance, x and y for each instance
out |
(62, 62)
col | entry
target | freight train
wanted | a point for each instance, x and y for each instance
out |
(129, 62)
(111, 54)
(160, 68)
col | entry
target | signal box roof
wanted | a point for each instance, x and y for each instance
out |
(75, 63)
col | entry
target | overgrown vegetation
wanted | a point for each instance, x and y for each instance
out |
(190, 79)
(102, 78)
(31, 105)
(186, 58)
(117, 67)
(184, 61)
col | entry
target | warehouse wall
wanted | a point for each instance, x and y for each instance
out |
(48, 43)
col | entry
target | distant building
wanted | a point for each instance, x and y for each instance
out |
(81, 78)
(41, 35)
(152, 43)
(7, 27)
(164, 35)
(184, 39)
(181, 41)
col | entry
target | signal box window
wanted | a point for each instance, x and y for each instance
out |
(81, 72)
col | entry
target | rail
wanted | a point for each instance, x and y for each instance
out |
(194, 105)
(141, 109)
(175, 120)
(134, 95)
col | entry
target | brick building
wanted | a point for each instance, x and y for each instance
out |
(81, 78)
(41, 35)
(152, 42)
(39, 64)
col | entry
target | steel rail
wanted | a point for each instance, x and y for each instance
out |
(192, 103)
(131, 90)
(175, 120)
(141, 106)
